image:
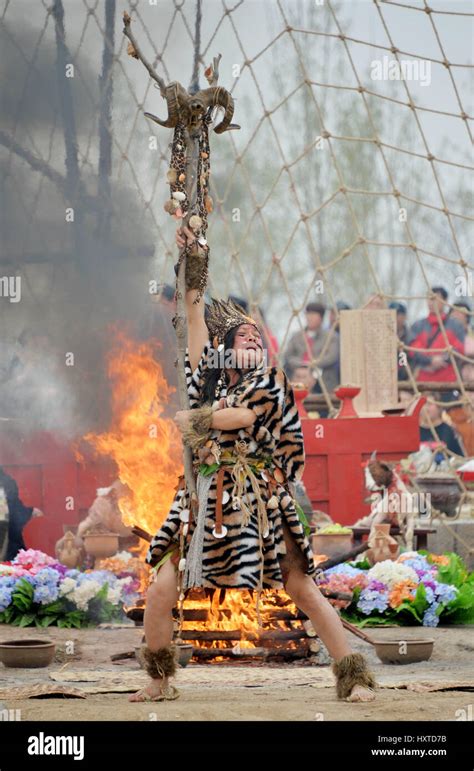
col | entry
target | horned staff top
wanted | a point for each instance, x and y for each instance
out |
(188, 176)
(190, 116)
(182, 106)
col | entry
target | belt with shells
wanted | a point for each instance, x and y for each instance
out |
(258, 470)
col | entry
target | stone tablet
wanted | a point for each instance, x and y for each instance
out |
(369, 358)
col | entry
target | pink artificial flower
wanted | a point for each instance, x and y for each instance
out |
(33, 559)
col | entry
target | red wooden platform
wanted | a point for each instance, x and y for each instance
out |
(50, 478)
(336, 450)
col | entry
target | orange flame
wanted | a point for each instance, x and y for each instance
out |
(143, 442)
(237, 612)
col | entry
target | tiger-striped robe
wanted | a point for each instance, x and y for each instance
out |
(234, 561)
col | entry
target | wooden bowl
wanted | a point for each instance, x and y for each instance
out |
(101, 544)
(331, 544)
(404, 651)
(27, 653)
(185, 652)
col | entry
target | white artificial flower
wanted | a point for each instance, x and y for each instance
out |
(123, 556)
(67, 587)
(391, 573)
(84, 593)
(114, 595)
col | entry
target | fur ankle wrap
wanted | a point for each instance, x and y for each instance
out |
(160, 663)
(351, 670)
(199, 426)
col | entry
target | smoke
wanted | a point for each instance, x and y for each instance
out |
(80, 238)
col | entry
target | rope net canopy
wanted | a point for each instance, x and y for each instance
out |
(350, 179)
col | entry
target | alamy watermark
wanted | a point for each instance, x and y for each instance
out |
(241, 358)
(10, 286)
(42, 744)
(407, 69)
(464, 285)
(401, 503)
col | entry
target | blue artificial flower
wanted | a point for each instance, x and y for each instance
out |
(343, 570)
(46, 593)
(47, 576)
(371, 600)
(5, 597)
(445, 592)
(8, 581)
(430, 617)
(101, 576)
(418, 563)
(430, 595)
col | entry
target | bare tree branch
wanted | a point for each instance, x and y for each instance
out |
(43, 167)
(135, 51)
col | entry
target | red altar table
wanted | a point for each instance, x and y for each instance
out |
(336, 449)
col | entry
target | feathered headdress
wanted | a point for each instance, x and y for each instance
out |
(224, 315)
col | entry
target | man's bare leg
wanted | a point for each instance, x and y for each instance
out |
(161, 598)
(325, 620)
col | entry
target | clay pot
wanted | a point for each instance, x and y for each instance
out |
(382, 545)
(391, 651)
(27, 653)
(331, 544)
(101, 544)
(185, 652)
(69, 550)
(444, 491)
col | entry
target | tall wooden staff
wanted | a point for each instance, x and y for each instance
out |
(189, 115)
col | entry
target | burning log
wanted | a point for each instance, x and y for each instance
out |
(195, 614)
(236, 634)
(288, 654)
(202, 614)
(191, 614)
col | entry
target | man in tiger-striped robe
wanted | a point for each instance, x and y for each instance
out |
(245, 431)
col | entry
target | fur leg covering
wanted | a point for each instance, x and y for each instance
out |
(351, 670)
(160, 663)
(199, 426)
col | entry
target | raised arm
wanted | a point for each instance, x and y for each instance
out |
(198, 334)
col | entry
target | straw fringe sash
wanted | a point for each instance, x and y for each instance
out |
(193, 570)
(241, 471)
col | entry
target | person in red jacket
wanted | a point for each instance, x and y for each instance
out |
(433, 363)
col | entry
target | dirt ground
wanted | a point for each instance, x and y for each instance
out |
(242, 691)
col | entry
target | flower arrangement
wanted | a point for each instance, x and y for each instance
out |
(417, 588)
(36, 590)
(124, 565)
